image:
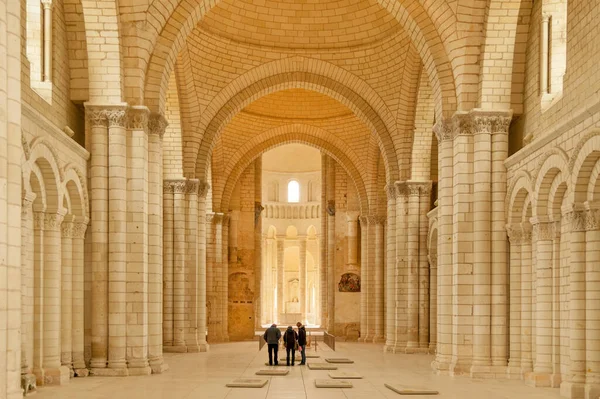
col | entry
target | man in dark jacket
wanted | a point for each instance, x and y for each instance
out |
(272, 336)
(289, 340)
(302, 342)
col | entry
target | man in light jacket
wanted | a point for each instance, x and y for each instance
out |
(272, 337)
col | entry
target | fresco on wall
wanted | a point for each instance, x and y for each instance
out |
(349, 282)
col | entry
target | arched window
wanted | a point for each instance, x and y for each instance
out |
(553, 47)
(293, 191)
(39, 46)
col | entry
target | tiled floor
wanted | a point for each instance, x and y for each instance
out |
(204, 376)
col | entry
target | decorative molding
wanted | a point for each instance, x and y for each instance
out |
(79, 230)
(390, 191)
(401, 189)
(419, 188)
(38, 220)
(66, 229)
(137, 118)
(364, 221)
(578, 220)
(53, 222)
(443, 130)
(526, 233)
(209, 218)
(175, 186)
(543, 231)
(116, 117)
(203, 188)
(515, 233)
(191, 186)
(157, 124)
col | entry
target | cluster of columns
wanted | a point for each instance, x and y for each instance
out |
(537, 277)
(472, 253)
(408, 283)
(184, 271)
(126, 201)
(217, 276)
(52, 325)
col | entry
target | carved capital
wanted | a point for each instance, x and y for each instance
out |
(39, 219)
(79, 230)
(578, 220)
(592, 220)
(418, 188)
(191, 186)
(364, 221)
(526, 233)
(352, 216)
(96, 117)
(157, 124)
(209, 218)
(174, 186)
(27, 204)
(116, 117)
(401, 189)
(66, 229)
(217, 218)
(443, 130)
(462, 124)
(203, 188)
(491, 122)
(137, 118)
(543, 231)
(106, 115)
(330, 208)
(515, 233)
(390, 191)
(47, 4)
(53, 222)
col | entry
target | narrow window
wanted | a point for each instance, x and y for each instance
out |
(293, 191)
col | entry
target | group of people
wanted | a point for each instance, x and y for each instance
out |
(292, 341)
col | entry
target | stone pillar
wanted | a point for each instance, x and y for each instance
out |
(225, 280)
(210, 276)
(401, 268)
(38, 292)
(331, 273)
(27, 281)
(156, 129)
(191, 266)
(352, 234)
(117, 243)
(364, 279)
(66, 300)
(323, 247)
(526, 299)
(424, 269)
(515, 236)
(218, 277)
(542, 233)
(413, 268)
(574, 384)
(168, 230)
(545, 55)
(433, 303)
(98, 177)
(234, 219)
(443, 131)
(557, 274)
(258, 208)
(390, 307)
(378, 283)
(48, 53)
(179, 272)
(78, 342)
(280, 276)
(54, 372)
(302, 279)
(202, 267)
(592, 300)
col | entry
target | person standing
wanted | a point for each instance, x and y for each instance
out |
(290, 340)
(271, 337)
(302, 342)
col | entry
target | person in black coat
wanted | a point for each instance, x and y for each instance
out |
(290, 338)
(302, 342)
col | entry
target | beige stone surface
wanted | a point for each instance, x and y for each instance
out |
(344, 374)
(323, 383)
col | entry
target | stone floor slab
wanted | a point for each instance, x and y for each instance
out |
(247, 383)
(403, 390)
(273, 372)
(344, 374)
(333, 384)
(312, 356)
(339, 360)
(321, 366)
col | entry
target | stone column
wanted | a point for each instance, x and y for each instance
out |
(433, 303)
(48, 53)
(323, 253)
(168, 230)
(331, 273)
(225, 281)
(302, 279)
(179, 272)
(191, 266)
(98, 177)
(66, 300)
(38, 292)
(557, 273)
(218, 277)
(443, 131)
(280, 276)
(526, 299)
(378, 283)
(78, 342)
(234, 219)
(352, 234)
(401, 268)
(364, 279)
(210, 276)
(592, 300)
(156, 128)
(202, 267)
(424, 268)
(515, 236)
(54, 372)
(390, 308)
(27, 284)
(574, 384)
(258, 208)
(413, 268)
(542, 231)
(117, 242)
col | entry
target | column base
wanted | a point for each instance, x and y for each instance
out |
(459, 367)
(139, 370)
(378, 339)
(81, 372)
(203, 347)
(432, 349)
(109, 372)
(388, 348)
(28, 384)
(399, 347)
(488, 372)
(538, 379)
(572, 390)
(592, 391)
(55, 376)
(158, 365)
(441, 365)
(175, 349)
(411, 350)
(513, 372)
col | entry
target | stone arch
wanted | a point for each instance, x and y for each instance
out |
(549, 177)
(518, 198)
(303, 134)
(174, 20)
(43, 158)
(75, 191)
(103, 39)
(295, 72)
(583, 166)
